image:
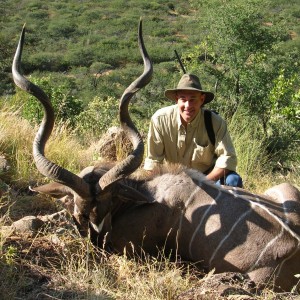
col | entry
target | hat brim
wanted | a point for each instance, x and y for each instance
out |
(171, 94)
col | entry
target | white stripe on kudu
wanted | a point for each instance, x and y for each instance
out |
(228, 235)
(202, 220)
(268, 245)
(282, 223)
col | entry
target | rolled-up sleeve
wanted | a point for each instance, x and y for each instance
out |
(226, 156)
(155, 146)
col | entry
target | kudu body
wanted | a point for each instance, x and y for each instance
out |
(220, 228)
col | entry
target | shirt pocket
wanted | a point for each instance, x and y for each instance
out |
(203, 157)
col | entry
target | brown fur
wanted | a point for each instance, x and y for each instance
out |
(221, 228)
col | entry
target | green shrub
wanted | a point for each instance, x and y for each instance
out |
(46, 61)
(99, 115)
(65, 105)
(296, 13)
(99, 67)
(250, 43)
(62, 28)
(79, 57)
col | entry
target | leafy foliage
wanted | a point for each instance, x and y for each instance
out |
(84, 54)
(65, 105)
(97, 118)
(243, 51)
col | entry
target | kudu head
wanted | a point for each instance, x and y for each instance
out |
(92, 189)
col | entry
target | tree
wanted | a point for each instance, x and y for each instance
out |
(243, 51)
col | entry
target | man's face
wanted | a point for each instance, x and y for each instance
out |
(189, 104)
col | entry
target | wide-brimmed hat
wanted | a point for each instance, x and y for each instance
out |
(189, 82)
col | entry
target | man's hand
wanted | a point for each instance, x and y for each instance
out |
(216, 174)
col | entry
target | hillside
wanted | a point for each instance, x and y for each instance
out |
(87, 39)
(93, 43)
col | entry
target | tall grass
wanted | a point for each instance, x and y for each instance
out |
(16, 138)
(66, 149)
(254, 161)
(250, 148)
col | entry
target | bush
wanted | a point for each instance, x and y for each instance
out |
(99, 115)
(65, 105)
(46, 61)
(62, 28)
(99, 67)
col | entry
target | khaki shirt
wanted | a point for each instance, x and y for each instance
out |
(168, 140)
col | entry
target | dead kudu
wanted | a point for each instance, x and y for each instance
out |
(179, 210)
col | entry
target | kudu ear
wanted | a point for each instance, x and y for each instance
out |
(127, 194)
(54, 189)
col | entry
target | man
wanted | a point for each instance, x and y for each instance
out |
(177, 134)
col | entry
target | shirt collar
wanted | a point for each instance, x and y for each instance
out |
(179, 123)
(192, 124)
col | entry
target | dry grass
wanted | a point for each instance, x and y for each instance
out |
(57, 263)
(16, 137)
(69, 267)
(117, 277)
(53, 265)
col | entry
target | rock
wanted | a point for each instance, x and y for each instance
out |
(28, 224)
(114, 145)
(58, 222)
(56, 218)
(4, 165)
